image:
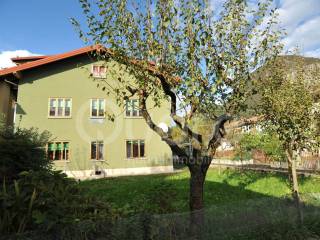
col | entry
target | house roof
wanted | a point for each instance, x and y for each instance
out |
(15, 59)
(43, 60)
(49, 59)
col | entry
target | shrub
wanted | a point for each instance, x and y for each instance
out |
(272, 147)
(246, 144)
(22, 150)
(35, 199)
(48, 202)
(266, 142)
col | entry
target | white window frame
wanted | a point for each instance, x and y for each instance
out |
(97, 150)
(259, 128)
(63, 108)
(103, 75)
(246, 128)
(98, 106)
(139, 115)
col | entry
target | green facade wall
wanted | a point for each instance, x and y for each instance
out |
(70, 78)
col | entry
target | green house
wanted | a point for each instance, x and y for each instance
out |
(56, 93)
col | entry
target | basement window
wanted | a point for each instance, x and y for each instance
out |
(58, 151)
(135, 148)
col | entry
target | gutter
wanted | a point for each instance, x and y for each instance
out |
(14, 84)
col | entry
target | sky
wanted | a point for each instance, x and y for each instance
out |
(43, 27)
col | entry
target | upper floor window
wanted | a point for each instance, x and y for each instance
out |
(97, 149)
(58, 151)
(97, 108)
(60, 107)
(133, 108)
(99, 71)
(135, 148)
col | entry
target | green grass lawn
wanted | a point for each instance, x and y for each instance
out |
(169, 193)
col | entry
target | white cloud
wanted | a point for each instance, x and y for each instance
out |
(5, 56)
(293, 12)
(301, 19)
(306, 36)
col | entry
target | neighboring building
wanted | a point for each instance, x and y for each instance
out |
(252, 125)
(247, 125)
(234, 129)
(8, 95)
(57, 94)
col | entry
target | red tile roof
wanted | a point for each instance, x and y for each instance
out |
(48, 59)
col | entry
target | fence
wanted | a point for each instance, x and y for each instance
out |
(312, 165)
(231, 162)
(307, 160)
(263, 218)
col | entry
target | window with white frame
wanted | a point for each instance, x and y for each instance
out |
(97, 108)
(259, 128)
(135, 148)
(133, 108)
(58, 151)
(97, 148)
(60, 107)
(99, 71)
(246, 128)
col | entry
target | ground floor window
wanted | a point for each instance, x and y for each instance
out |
(135, 148)
(58, 151)
(97, 149)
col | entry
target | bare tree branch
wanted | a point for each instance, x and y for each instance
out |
(218, 132)
(164, 136)
(173, 112)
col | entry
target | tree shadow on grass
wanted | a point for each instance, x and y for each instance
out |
(156, 207)
(164, 194)
(231, 212)
(168, 193)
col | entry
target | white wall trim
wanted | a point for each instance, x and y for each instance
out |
(90, 174)
(231, 162)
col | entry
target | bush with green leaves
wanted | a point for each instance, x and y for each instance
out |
(22, 150)
(267, 142)
(48, 202)
(272, 147)
(36, 199)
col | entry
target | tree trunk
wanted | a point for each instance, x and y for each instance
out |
(293, 180)
(196, 204)
(196, 190)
